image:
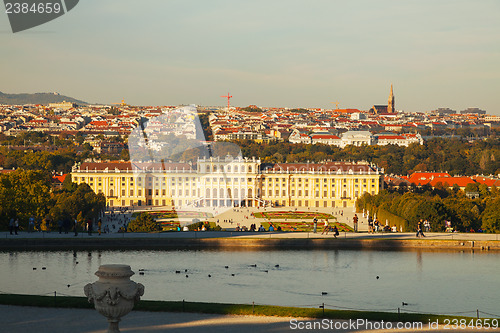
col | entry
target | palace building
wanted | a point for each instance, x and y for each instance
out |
(228, 182)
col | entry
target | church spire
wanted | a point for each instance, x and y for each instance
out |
(390, 104)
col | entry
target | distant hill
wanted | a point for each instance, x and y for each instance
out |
(37, 98)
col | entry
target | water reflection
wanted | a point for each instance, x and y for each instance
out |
(419, 261)
(375, 280)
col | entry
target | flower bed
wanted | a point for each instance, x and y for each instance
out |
(293, 215)
(306, 226)
(169, 225)
(174, 214)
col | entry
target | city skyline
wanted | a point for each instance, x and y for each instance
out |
(277, 54)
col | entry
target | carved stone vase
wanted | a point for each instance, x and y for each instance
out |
(114, 294)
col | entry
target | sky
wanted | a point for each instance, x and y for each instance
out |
(270, 53)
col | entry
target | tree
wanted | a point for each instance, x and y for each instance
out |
(125, 155)
(81, 201)
(491, 216)
(24, 193)
(472, 187)
(68, 184)
(143, 223)
(252, 108)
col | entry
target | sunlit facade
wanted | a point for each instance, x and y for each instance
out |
(228, 182)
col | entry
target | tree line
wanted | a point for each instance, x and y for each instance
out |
(26, 194)
(456, 156)
(405, 208)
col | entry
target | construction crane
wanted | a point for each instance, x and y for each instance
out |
(228, 98)
(121, 104)
(336, 103)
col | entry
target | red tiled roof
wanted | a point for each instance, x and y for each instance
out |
(421, 178)
(324, 136)
(460, 181)
(139, 166)
(391, 137)
(331, 166)
(59, 178)
(99, 123)
(487, 181)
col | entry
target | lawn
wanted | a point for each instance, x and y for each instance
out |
(235, 309)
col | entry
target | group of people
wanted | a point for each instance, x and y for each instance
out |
(376, 226)
(68, 224)
(253, 227)
(13, 225)
(373, 225)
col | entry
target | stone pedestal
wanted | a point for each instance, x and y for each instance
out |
(114, 295)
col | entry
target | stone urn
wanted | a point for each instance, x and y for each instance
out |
(114, 294)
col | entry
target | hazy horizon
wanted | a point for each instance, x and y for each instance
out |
(281, 53)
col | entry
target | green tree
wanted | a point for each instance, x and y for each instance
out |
(82, 200)
(491, 216)
(24, 193)
(143, 223)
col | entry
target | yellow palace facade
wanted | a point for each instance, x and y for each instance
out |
(228, 182)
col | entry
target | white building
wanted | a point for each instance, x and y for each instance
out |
(357, 138)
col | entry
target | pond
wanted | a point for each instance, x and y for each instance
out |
(430, 282)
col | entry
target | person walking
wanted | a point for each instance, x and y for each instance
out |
(16, 226)
(60, 225)
(370, 224)
(335, 231)
(89, 227)
(31, 224)
(315, 221)
(420, 231)
(326, 227)
(11, 225)
(75, 227)
(355, 222)
(99, 225)
(427, 226)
